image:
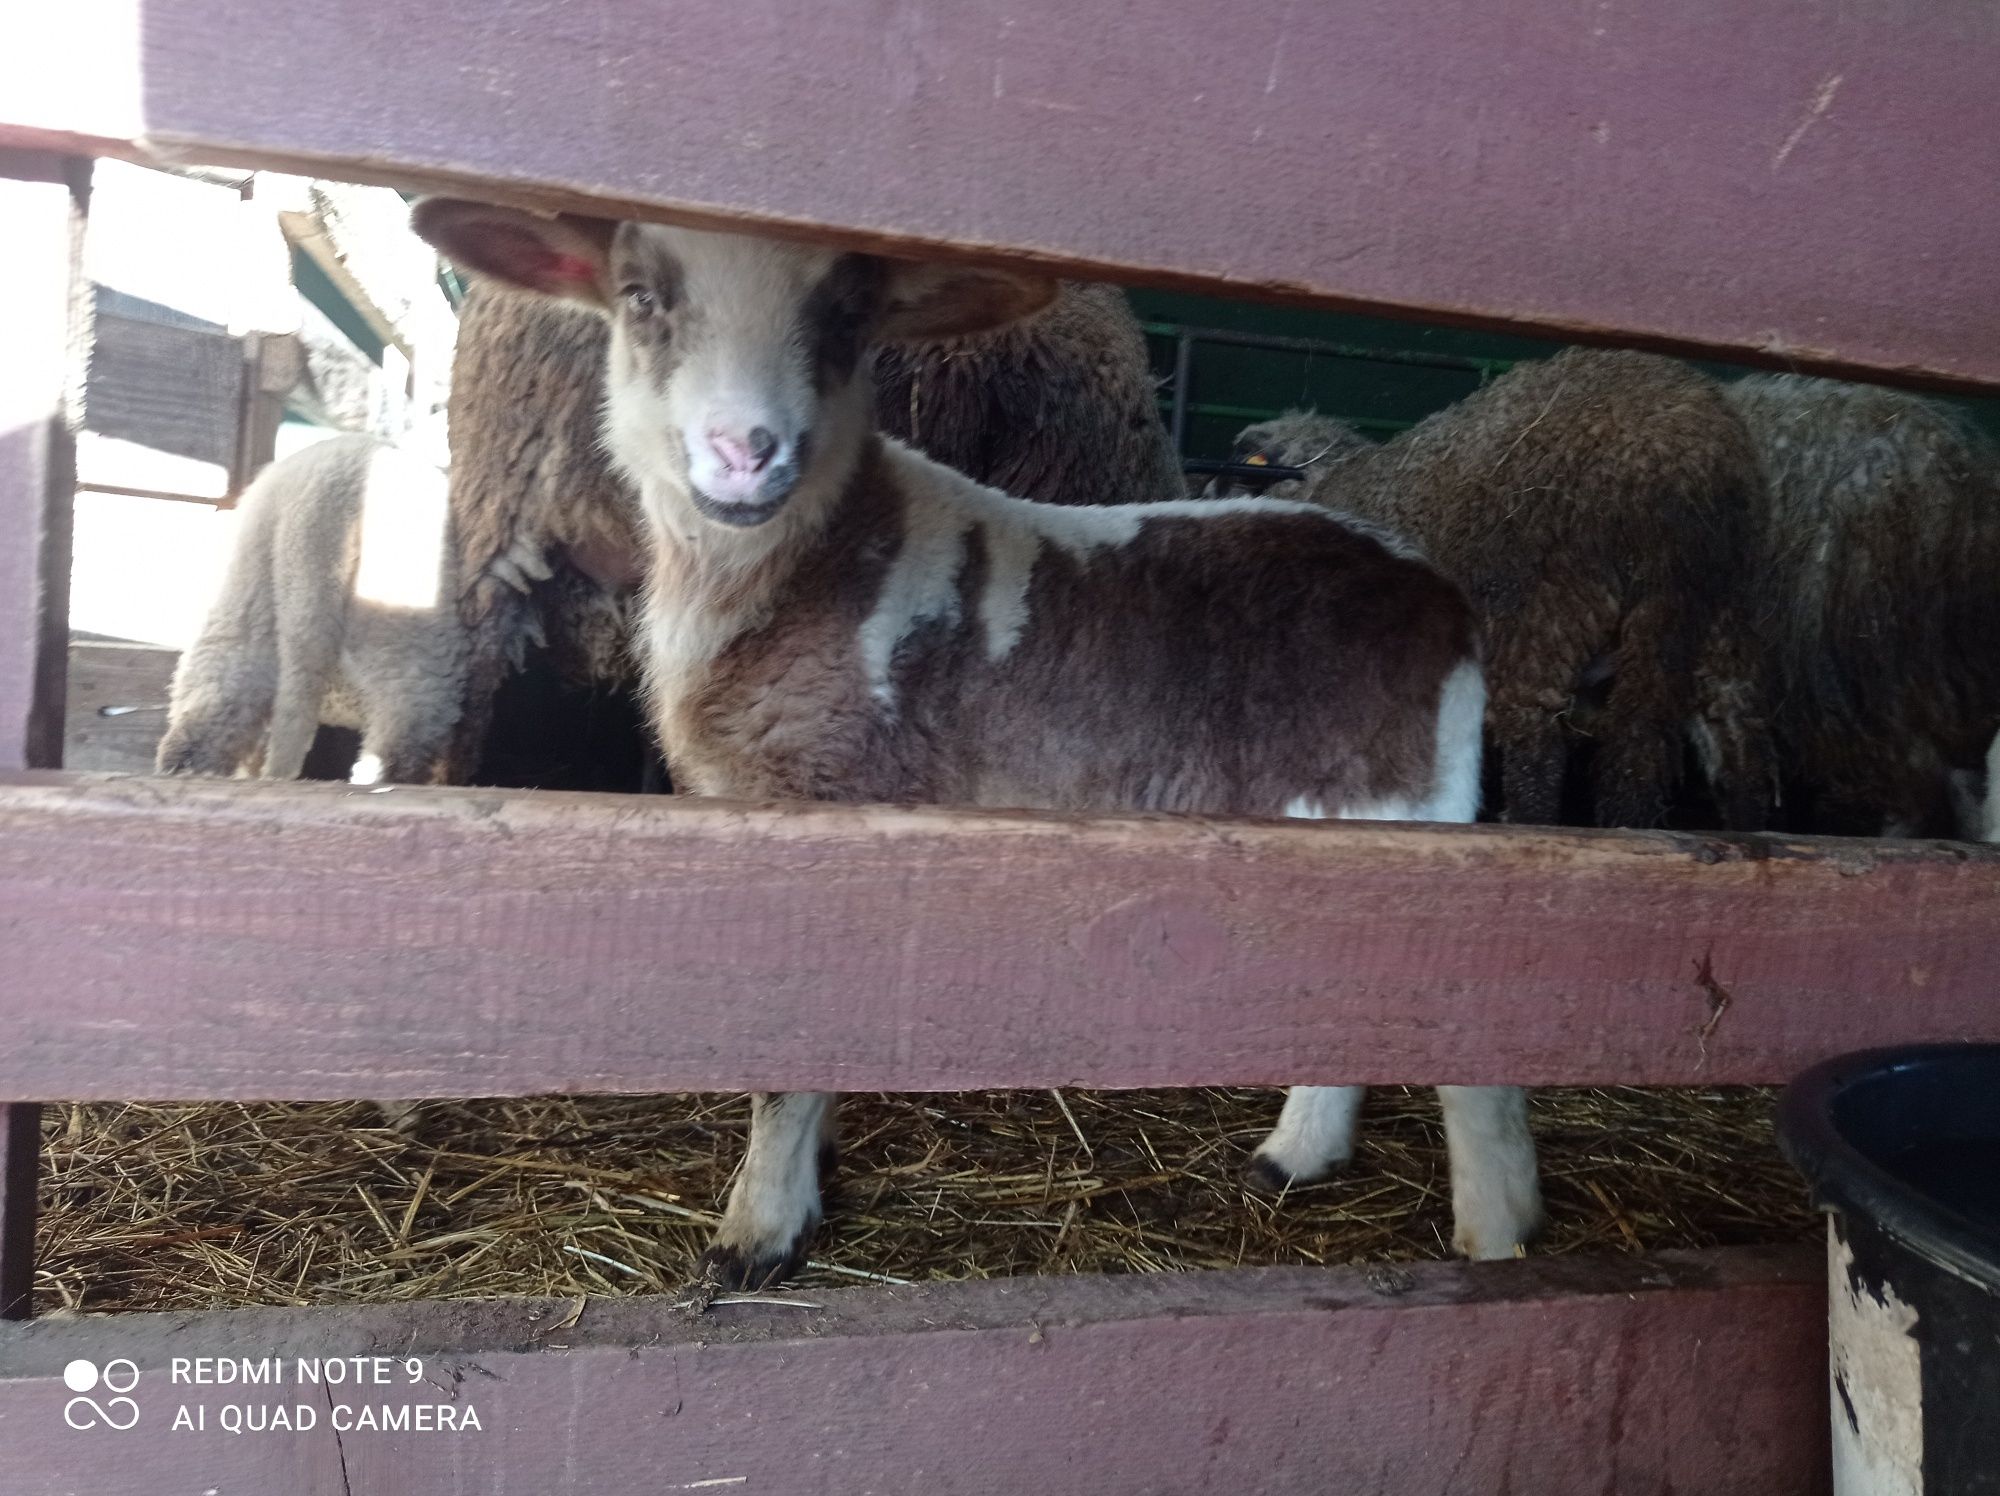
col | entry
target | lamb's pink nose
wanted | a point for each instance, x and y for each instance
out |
(744, 454)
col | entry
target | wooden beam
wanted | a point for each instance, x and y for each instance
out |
(41, 205)
(42, 201)
(175, 938)
(20, 1167)
(1790, 182)
(1681, 1372)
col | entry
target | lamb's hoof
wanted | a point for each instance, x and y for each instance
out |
(1264, 1175)
(738, 1268)
(1500, 1223)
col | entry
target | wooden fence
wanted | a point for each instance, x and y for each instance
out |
(1800, 185)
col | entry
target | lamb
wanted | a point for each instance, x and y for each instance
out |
(1878, 553)
(1594, 506)
(1297, 439)
(832, 615)
(547, 530)
(338, 607)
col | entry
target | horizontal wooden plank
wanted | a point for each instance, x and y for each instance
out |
(1690, 1372)
(189, 939)
(1685, 174)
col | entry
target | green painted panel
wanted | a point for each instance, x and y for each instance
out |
(1233, 386)
(314, 284)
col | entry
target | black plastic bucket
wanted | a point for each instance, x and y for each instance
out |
(1902, 1146)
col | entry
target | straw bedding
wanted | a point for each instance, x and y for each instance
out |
(202, 1206)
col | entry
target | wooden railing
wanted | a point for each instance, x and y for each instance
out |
(1798, 183)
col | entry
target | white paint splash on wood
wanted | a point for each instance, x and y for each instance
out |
(1877, 1387)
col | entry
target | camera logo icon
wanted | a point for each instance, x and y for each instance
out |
(117, 1377)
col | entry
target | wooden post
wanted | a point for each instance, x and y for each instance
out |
(41, 203)
(20, 1157)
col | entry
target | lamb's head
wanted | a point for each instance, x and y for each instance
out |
(737, 382)
(1296, 439)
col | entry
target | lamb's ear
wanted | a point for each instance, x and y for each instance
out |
(929, 301)
(557, 256)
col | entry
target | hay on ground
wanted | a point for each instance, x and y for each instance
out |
(206, 1206)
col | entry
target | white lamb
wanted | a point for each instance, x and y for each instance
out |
(340, 606)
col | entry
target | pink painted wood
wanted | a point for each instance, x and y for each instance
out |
(1798, 181)
(1676, 1373)
(207, 939)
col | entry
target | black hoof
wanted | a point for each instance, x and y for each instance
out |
(735, 1268)
(1264, 1176)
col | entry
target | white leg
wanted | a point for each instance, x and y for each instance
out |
(1496, 1196)
(774, 1205)
(1313, 1138)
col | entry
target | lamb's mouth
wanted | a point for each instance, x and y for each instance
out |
(737, 516)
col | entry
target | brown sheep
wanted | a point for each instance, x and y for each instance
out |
(1880, 565)
(1594, 506)
(1055, 409)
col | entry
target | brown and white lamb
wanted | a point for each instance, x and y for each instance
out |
(549, 532)
(832, 615)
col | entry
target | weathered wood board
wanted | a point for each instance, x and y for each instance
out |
(43, 199)
(175, 938)
(38, 253)
(167, 387)
(1798, 182)
(1641, 1376)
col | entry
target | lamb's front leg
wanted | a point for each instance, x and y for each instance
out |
(774, 1205)
(1496, 1194)
(1314, 1137)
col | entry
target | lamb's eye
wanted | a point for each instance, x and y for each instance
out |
(640, 300)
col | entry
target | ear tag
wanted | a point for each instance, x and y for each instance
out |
(1256, 459)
